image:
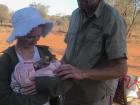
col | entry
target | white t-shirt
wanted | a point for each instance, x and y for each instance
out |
(36, 55)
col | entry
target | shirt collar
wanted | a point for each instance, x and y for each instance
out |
(99, 9)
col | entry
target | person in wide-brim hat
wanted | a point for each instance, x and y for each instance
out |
(37, 89)
(28, 27)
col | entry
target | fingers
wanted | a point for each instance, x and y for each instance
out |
(63, 72)
(69, 76)
(28, 92)
(68, 71)
(28, 89)
(28, 84)
(63, 68)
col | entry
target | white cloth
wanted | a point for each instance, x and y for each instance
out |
(36, 56)
(24, 73)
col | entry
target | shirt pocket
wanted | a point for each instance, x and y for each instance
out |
(93, 46)
(92, 35)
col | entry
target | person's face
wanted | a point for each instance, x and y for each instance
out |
(87, 4)
(31, 38)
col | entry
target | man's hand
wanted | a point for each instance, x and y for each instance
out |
(67, 71)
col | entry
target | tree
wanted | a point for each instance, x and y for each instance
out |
(136, 12)
(4, 14)
(42, 9)
(129, 9)
(61, 23)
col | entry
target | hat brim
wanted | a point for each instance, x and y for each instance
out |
(27, 26)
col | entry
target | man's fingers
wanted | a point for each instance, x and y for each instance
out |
(69, 76)
(64, 72)
(62, 68)
(59, 70)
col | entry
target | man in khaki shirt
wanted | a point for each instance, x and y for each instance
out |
(95, 55)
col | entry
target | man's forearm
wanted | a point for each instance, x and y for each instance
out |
(115, 70)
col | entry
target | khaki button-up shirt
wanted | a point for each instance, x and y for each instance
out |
(91, 43)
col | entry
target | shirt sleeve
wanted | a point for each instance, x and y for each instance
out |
(115, 41)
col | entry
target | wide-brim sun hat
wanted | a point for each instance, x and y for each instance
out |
(24, 20)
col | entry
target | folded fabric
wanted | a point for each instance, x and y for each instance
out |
(48, 71)
(22, 74)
